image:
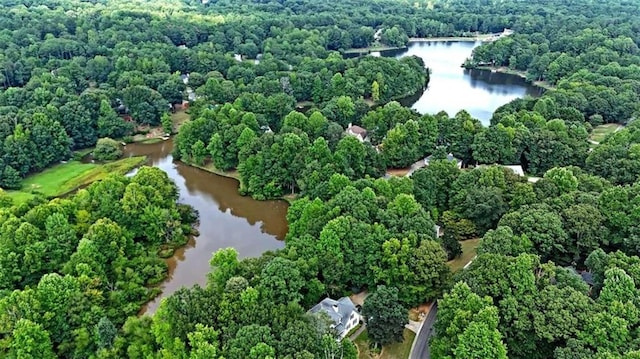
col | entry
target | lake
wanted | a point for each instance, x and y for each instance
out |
(226, 219)
(254, 227)
(453, 88)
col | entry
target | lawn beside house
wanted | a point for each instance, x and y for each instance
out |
(392, 351)
(469, 249)
(179, 118)
(600, 132)
(66, 177)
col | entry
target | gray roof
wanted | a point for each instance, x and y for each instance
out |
(587, 277)
(355, 129)
(338, 310)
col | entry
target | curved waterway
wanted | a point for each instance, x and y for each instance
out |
(226, 219)
(453, 88)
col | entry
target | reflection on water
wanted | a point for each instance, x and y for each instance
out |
(226, 219)
(452, 88)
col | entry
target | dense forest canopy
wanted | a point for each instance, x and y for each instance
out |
(74, 272)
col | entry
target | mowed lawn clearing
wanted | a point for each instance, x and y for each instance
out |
(179, 118)
(600, 132)
(469, 248)
(66, 177)
(392, 351)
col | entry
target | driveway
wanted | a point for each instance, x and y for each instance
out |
(420, 349)
(413, 326)
(416, 166)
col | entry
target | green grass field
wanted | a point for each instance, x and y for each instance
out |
(64, 178)
(179, 117)
(600, 132)
(469, 248)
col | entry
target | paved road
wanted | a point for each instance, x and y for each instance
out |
(421, 349)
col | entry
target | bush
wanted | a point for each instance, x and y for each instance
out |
(107, 150)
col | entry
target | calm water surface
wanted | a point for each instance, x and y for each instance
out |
(453, 88)
(226, 219)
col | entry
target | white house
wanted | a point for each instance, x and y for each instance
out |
(357, 131)
(378, 35)
(449, 158)
(184, 78)
(342, 312)
(517, 169)
(438, 231)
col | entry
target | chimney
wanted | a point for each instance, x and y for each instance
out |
(335, 308)
(350, 125)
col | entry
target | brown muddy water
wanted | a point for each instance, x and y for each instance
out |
(226, 219)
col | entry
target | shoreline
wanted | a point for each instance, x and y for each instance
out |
(367, 50)
(451, 38)
(289, 198)
(72, 176)
(505, 70)
(377, 48)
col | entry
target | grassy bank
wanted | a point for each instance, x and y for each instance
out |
(63, 178)
(373, 48)
(209, 167)
(452, 38)
(150, 135)
(66, 177)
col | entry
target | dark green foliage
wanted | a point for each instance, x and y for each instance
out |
(385, 316)
(106, 333)
(71, 71)
(451, 245)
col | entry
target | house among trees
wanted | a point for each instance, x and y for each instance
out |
(184, 78)
(438, 231)
(585, 275)
(517, 169)
(342, 312)
(449, 158)
(357, 131)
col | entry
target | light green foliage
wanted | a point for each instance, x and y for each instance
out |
(479, 341)
(563, 179)
(375, 91)
(467, 326)
(167, 123)
(224, 264)
(282, 281)
(503, 241)
(203, 342)
(30, 341)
